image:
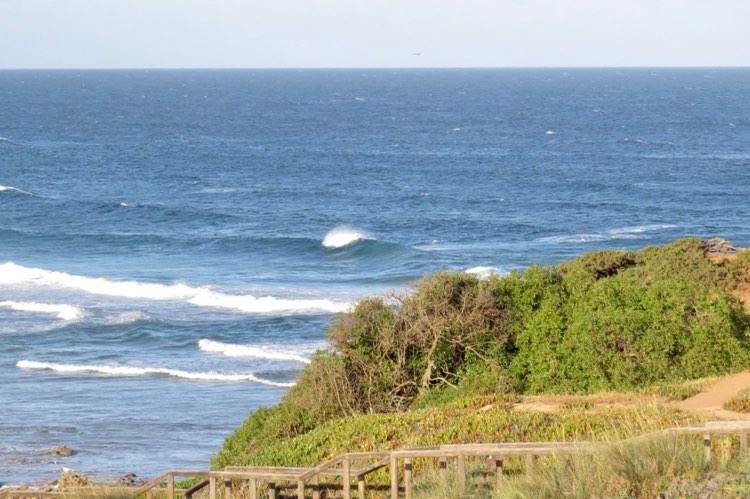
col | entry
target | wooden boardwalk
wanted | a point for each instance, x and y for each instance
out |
(355, 466)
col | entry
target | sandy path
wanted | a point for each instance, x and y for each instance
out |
(714, 395)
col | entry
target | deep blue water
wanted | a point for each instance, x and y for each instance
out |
(144, 211)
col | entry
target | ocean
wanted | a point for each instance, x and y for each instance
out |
(174, 244)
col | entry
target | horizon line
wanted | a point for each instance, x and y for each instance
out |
(356, 68)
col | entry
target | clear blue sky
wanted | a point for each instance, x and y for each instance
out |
(372, 33)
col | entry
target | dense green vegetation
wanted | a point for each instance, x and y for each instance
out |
(614, 320)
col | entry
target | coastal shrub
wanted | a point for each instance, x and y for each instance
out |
(449, 323)
(609, 320)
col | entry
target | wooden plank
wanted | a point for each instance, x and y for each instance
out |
(322, 467)
(443, 468)
(743, 444)
(150, 485)
(271, 490)
(253, 486)
(170, 486)
(227, 489)
(195, 488)
(372, 467)
(300, 489)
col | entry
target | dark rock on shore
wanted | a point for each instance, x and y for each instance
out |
(130, 480)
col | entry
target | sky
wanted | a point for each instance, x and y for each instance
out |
(372, 33)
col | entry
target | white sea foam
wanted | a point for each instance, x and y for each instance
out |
(62, 311)
(129, 318)
(343, 236)
(145, 371)
(10, 273)
(550, 132)
(232, 350)
(485, 272)
(637, 232)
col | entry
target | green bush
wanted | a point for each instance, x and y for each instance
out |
(609, 320)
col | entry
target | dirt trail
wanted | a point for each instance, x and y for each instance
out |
(714, 395)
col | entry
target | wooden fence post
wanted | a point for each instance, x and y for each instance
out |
(347, 492)
(316, 487)
(360, 486)
(743, 444)
(707, 446)
(498, 472)
(252, 484)
(461, 473)
(300, 489)
(394, 477)
(271, 490)
(212, 487)
(227, 489)
(408, 477)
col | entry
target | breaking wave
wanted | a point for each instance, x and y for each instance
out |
(485, 272)
(232, 350)
(340, 237)
(146, 371)
(11, 273)
(62, 311)
(8, 188)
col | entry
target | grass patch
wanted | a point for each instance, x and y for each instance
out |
(739, 403)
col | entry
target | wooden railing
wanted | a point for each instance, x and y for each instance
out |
(358, 465)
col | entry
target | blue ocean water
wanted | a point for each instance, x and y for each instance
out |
(173, 244)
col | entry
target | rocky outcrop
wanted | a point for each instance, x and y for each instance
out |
(61, 450)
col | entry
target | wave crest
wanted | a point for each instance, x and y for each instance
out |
(340, 237)
(11, 273)
(62, 311)
(232, 350)
(9, 188)
(145, 371)
(484, 272)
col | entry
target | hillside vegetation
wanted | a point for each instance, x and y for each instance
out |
(610, 320)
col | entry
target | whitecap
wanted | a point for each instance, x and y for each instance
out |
(6, 188)
(258, 352)
(484, 272)
(62, 311)
(550, 132)
(10, 273)
(343, 236)
(115, 370)
(636, 232)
